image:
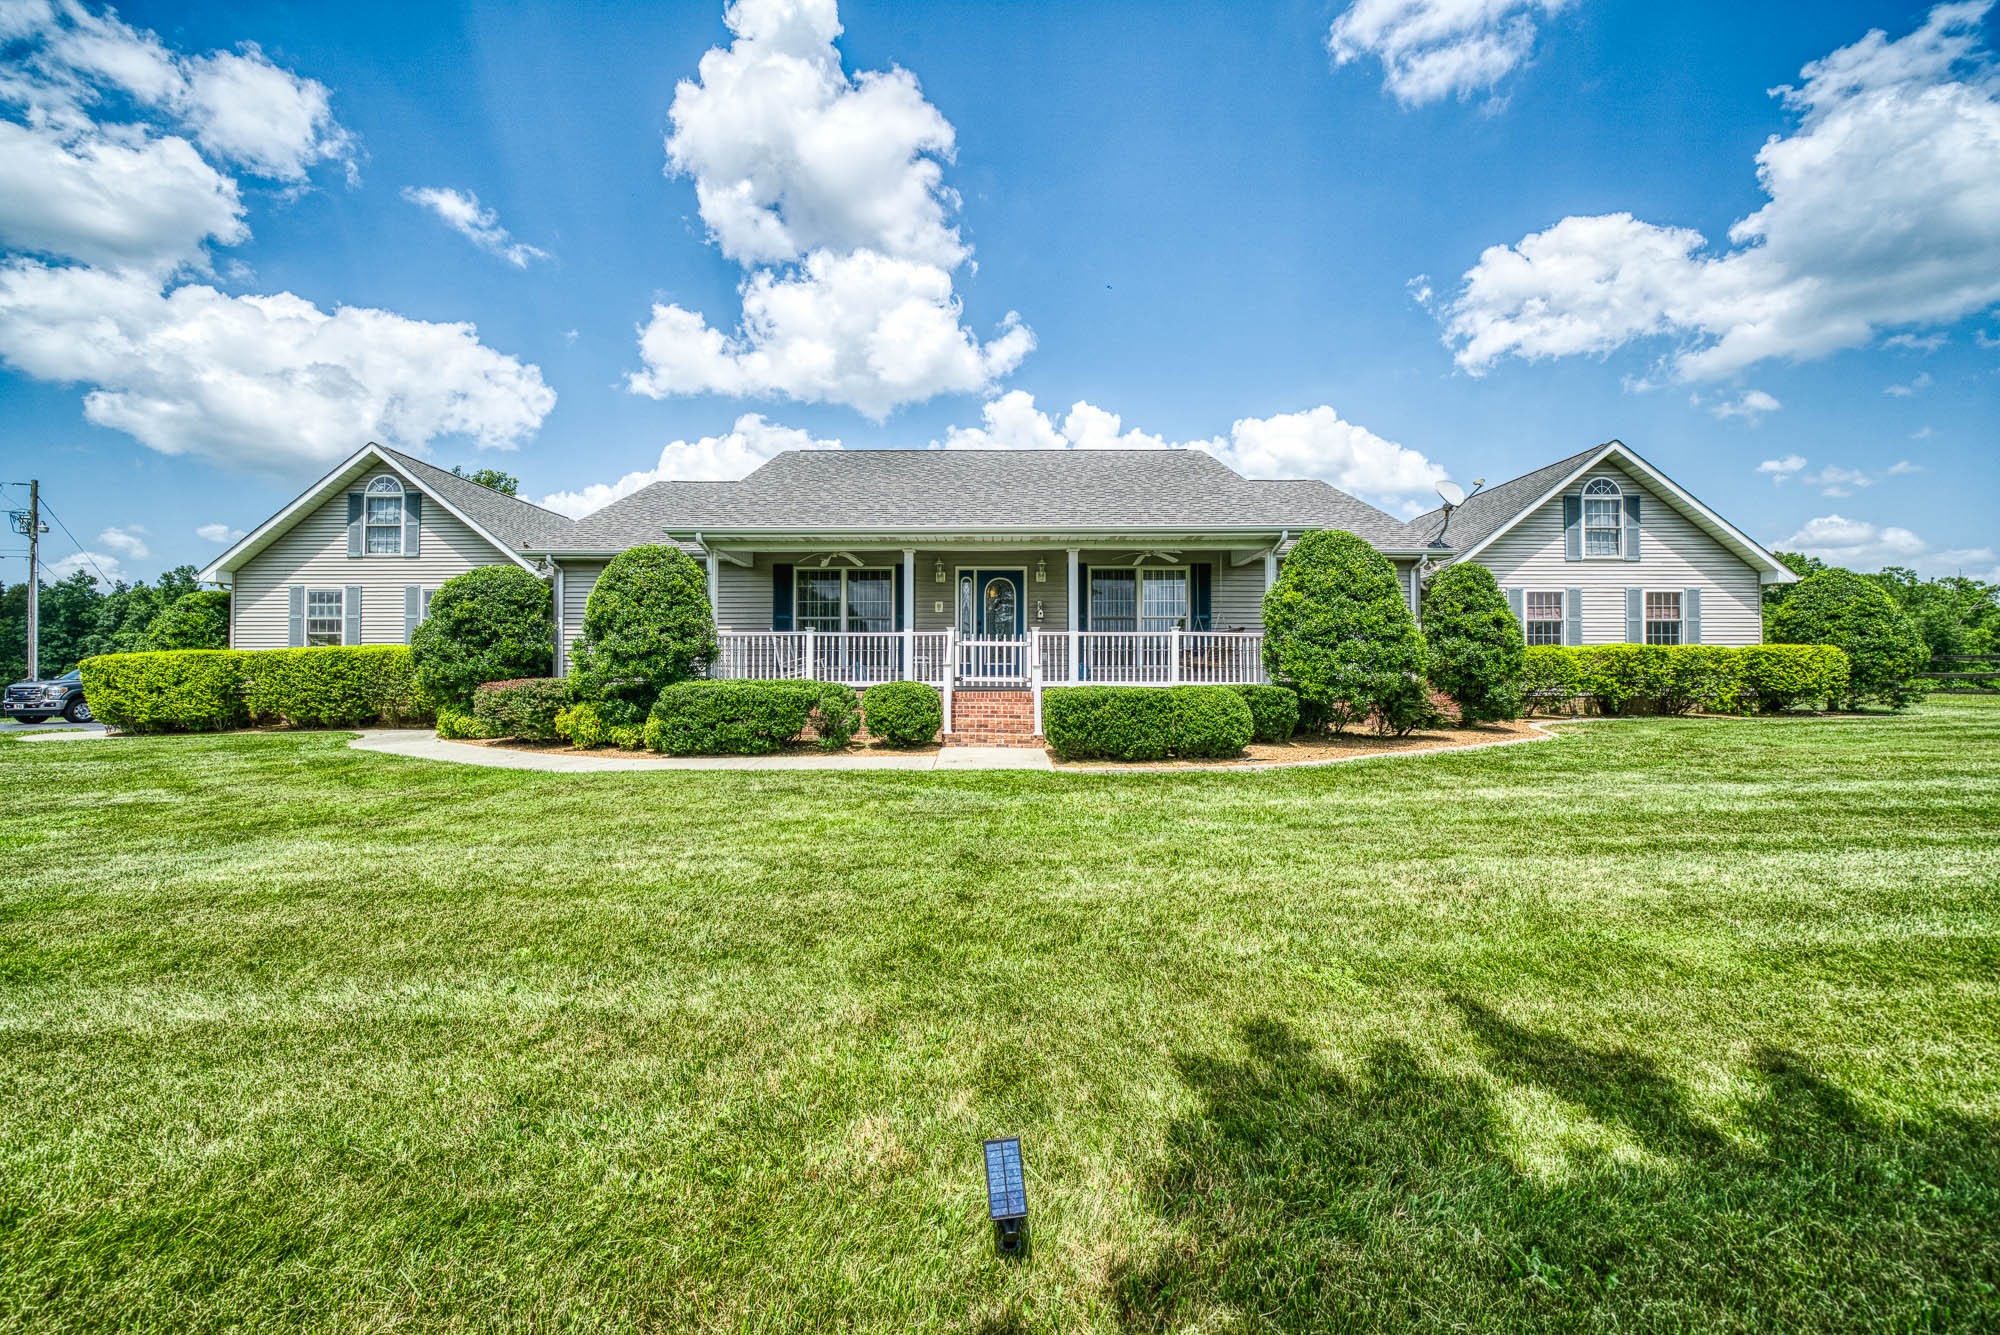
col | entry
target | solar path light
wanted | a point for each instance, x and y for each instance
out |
(1007, 1195)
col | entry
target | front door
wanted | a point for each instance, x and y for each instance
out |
(993, 620)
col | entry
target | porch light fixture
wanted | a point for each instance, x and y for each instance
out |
(939, 577)
(1007, 1196)
(1041, 572)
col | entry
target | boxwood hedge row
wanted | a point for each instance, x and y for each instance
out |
(1683, 678)
(207, 690)
(1134, 723)
(750, 718)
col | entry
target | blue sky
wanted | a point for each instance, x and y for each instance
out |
(1377, 242)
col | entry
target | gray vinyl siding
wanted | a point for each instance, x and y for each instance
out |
(313, 553)
(1674, 554)
(1236, 597)
(578, 579)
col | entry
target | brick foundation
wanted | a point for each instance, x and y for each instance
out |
(992, 718)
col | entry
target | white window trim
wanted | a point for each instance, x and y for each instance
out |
(339, 593)
(1528, 618)
(370, 491)
(1139, 595)
(798, 621)
(1647, 620)
(1617, 497)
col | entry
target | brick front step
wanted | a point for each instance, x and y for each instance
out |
(992, 718)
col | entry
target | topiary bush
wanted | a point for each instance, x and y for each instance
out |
(188, 690)
(1476, 647)
(646, 625)
(1338, 631)
(1274, 712)
(1779, 676)
(903, 713)
(334, 686)
(1884, 649)
(749, 718)
(489, 624)
(524, 709)
(1209, 722)
(197, 620)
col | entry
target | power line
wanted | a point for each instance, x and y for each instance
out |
(74, 543)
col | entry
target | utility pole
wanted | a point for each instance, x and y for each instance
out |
(32, 526)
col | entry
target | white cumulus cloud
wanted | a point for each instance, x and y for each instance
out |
(101, 566)
(129, 541)
(1861, 545)
(272, 382)
(461, 211)
(1433, 49)
(1751, 405)
(1884, 211)
(222, 533)
(747, 444)
(1317, 442)
(828, 189)
(1780, 469)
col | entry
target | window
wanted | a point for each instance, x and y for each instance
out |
(1138, 599)
(1663, 618)
(424, 604)
(853, 600)
(1545, 617)
(384, 517)
(1603, 519)
(325, 619)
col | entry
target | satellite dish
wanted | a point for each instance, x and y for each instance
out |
(1451, 492)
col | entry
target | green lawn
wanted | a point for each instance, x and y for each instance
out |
(1664, 1024)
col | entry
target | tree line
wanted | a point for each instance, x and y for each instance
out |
(79, 619)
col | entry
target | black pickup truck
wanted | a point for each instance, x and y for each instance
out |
(34, 701)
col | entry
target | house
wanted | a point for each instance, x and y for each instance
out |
(998, 569)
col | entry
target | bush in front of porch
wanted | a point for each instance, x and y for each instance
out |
(1338, 632)
(647, 625)
(903, 713)
(750, 718)
(1142, 723)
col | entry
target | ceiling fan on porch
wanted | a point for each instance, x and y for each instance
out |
(1141, 558)
(830, 557)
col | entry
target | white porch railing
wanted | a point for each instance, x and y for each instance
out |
(1150, 658)
(855, 658)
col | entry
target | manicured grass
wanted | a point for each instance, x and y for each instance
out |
(1664, 1025)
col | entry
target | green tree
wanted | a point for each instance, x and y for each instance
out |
(505, 483)
(1955, 615)
(1477, 650)
(489, 624)
(1854, 613)
(1338, 631)
(646, 625)
(1775, 594)
(196, 620)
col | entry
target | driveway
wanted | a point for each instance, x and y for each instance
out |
(53, 725)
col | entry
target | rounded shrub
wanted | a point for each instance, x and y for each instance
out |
(1476, 648)
(747, 718)
(197, 620)
(646, 625)
(1338, 631)
(488, 624)
(583, 726)
(1108, 722)
(1884, 649)
(1210, 722)
(1274, 712)
(903, 713)
(525, 709)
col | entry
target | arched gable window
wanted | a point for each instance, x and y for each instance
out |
(384, 519)
(1603, 518)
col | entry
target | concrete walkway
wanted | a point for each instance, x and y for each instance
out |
(74, 732)
(424, 746)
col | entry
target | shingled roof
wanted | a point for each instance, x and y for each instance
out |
(518, 523)
(1486, 511)
(912, 491)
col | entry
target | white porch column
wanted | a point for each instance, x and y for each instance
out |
(714, 589)
(1076, 595)
(909, 614)
(1270, 569)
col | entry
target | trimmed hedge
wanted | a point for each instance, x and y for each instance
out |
(1274, 712)
(646, 625)
(1679, 678)
(524, 709)
(1140, 723)
(749, 718)
(335, 686)
(903, 713)
(1885, 650)
(206, 690)
(178, 690)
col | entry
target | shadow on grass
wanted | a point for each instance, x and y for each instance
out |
(1303, 1198)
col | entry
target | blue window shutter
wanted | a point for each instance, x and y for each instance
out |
(351, 606)
(1572, 528)
(413, 522)
(1201, 595)
(1691, 616)
(353, 524)
(1082, 595)
(1572, 616)
(295, 634)
(1517, 603)
(413, 610)
(1635, 616)
(1631, 528)
(897, 584)
(781, 597)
